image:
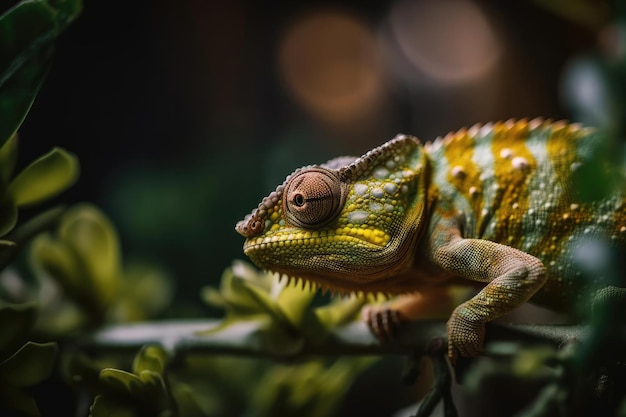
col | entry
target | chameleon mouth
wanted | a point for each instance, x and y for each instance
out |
(335, 261)
(375, 238)
(328, 287)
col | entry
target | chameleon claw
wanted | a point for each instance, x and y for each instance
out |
(465, 337)
(383, 322)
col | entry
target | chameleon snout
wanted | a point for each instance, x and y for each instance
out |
(250, 226)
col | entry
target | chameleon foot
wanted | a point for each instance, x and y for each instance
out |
(465, 337)
(382, 321)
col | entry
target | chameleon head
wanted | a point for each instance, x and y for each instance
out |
(352, 222)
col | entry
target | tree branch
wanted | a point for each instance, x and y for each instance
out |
(248, 338)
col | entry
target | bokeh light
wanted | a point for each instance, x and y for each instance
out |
(448, 41)
(331, 63)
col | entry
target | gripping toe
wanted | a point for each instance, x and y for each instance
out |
(383, 322)
(465, 337)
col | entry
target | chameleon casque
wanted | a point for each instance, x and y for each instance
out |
(495, 205)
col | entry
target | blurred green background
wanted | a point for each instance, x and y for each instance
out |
(185, 114)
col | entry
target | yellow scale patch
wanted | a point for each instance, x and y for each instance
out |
(463, 172)
(564, 218)
(513, 163)
(297, 237)
(567, 217)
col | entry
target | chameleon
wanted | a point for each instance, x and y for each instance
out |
(497, 206)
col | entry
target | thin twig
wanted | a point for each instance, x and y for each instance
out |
(246, 338)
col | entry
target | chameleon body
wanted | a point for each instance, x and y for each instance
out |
(496, 205)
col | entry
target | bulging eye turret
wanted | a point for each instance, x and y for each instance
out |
(313, 198)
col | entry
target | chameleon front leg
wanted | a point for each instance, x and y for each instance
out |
(512, 277)
(431, 302)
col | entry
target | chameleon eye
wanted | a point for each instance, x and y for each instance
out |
(298, 200)
(313, 198)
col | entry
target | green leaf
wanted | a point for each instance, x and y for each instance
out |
(188, 402)
(92, 237)
(81, 371)
(107, 406)
(44, 178)
(26, 49)
(67, 12)
(146, 390)
(15, 399)
(120, 382)
(154, 394)
(238, 299)
(339, 312)
(294, 303)
(213, 297)
(8, 158)
(29, 365)
(150, 358)
(22, 234)
(58, 261)
(15, 322)
(261, 298)
(8, 216)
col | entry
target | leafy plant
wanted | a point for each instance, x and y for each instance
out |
(286, 315)
(83, 280)
(22, 364)
(42, 179)
(29, 31)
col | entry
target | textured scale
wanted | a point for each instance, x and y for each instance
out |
(498, 206)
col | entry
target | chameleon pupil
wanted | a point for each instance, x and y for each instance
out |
(298, 200)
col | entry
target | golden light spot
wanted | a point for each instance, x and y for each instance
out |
(333, 65)
(464, 49)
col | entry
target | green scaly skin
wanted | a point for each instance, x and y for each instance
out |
(497, 206)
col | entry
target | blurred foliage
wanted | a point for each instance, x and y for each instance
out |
(286, 312)
(29, 31)
(83, 281)
(42, 179)
(144, 388)
(200, 385)
(22, 364)
(311, 389)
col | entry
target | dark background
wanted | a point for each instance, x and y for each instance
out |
(184, 114)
